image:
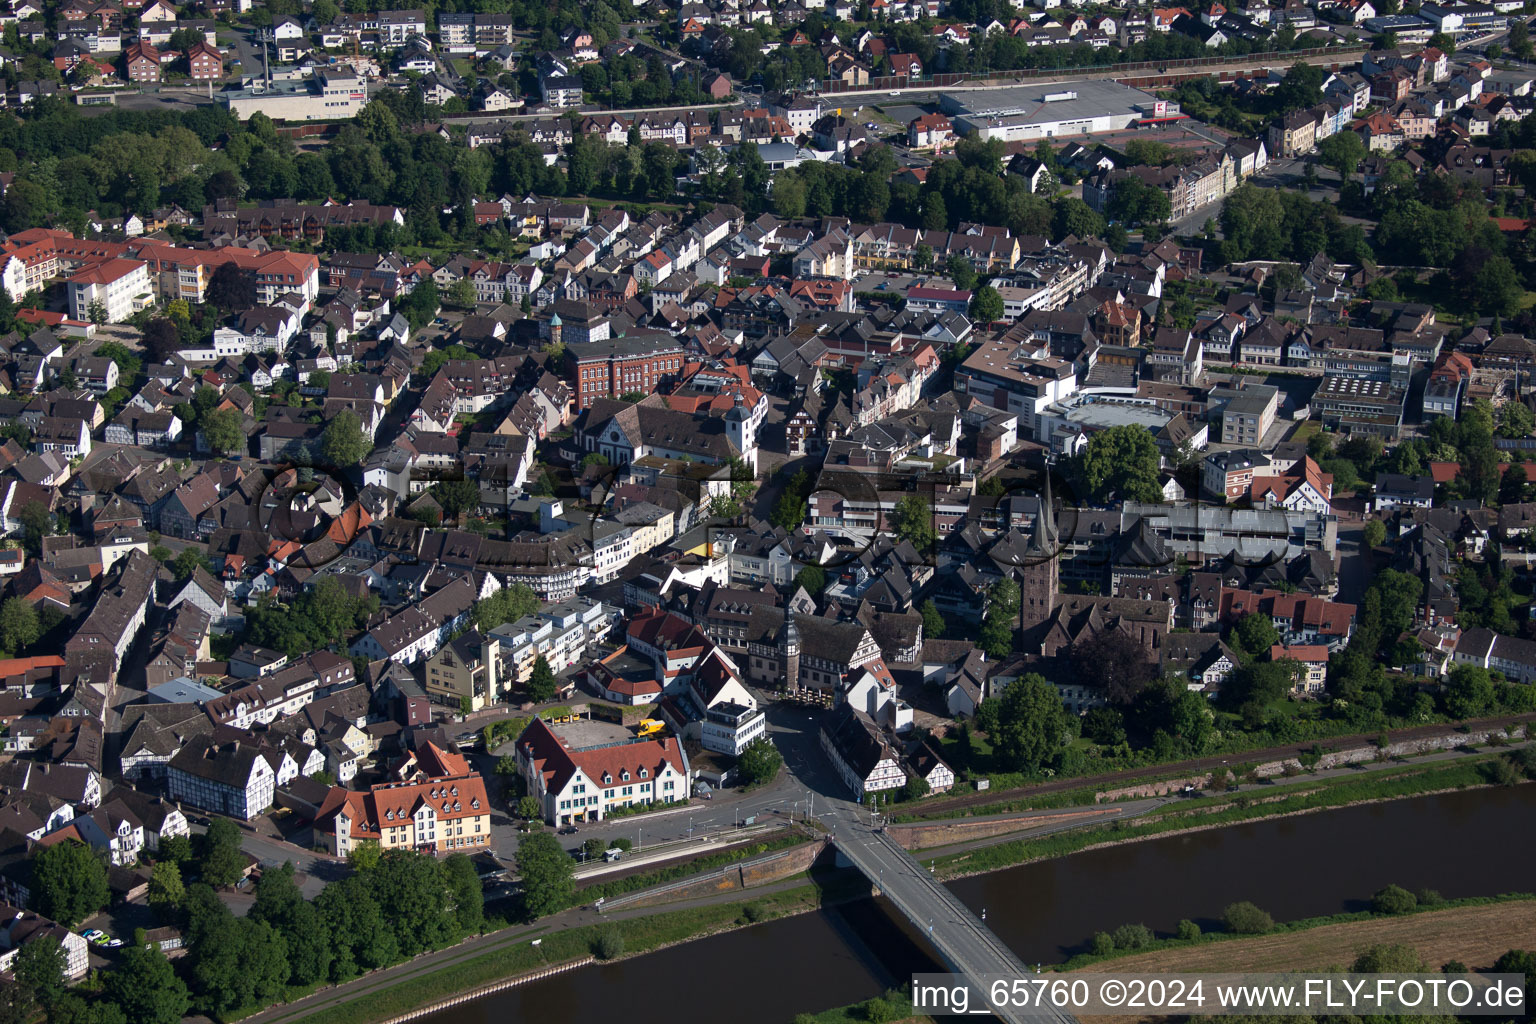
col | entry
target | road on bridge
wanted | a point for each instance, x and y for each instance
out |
(963, 940)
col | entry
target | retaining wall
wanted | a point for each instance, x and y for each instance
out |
(943, 833)
(1401, 748)
(747, 874)
(495, 986)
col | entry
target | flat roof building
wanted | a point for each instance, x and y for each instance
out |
(1031, 112)
(331, 94)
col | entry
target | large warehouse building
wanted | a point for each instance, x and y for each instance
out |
(1030, 112)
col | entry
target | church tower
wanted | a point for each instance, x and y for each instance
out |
(1040, 575)
(789, 648)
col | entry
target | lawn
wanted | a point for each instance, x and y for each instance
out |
(1306, 430)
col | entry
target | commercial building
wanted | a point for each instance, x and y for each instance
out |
(332, 94)
(1369, 406)
(585, 784)
(729, 727)
(1032, 112)
(620, 366)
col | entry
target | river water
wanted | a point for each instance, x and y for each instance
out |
(1475, 843)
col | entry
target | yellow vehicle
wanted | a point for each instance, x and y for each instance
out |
(650, 727)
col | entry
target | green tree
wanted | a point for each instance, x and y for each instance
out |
(912, 521)
(188, 561)
(1074, 217)
(1301, 87)
(986, 305)
(1244, 918)
(1389, 958)
(1515, 420)
(508, 604)
(224, 430)
(933, 621)
(19, 625)
(145, 987)
(1394, 899)
(165, 888)
(457, 496)
(1121, 462)
(344, 443)
(1520, 39)
(222, 862)
(1469, 692)
(348, 911)
(1032, 723)
(1519, 961)
(542, 685)
(1253, 636)
(36, 523)
(1375, 533)
(468, 896)
(309, 943)
(69, 882)
(546, 873)
(236, 962)
(416, 899)
(759, 762)
(961, 272)
(813, 578)
(1342, 151)
(39, 967)
(176, 849)
(529, 808)
(915, 789)
(364, 856)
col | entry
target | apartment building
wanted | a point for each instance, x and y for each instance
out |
(444, 810)
(115, 289)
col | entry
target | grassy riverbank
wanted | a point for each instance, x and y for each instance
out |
(1213, 812)
(1475, 931)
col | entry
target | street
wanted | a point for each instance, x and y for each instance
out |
(807, 778)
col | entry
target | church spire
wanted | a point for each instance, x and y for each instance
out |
(1044, 538)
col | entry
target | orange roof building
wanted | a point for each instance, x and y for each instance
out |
(576, 784)
(443, 814)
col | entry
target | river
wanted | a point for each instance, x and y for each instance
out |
(1475, 843)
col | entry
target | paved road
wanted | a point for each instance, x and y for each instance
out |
(793, 730)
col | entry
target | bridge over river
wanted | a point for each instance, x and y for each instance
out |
(966, 944)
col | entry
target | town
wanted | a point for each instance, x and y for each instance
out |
(430, 435)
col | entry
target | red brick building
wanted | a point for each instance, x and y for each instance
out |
(204, 62)
(620, 366)
(142, 63)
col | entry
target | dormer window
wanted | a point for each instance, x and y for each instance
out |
(645, 773)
